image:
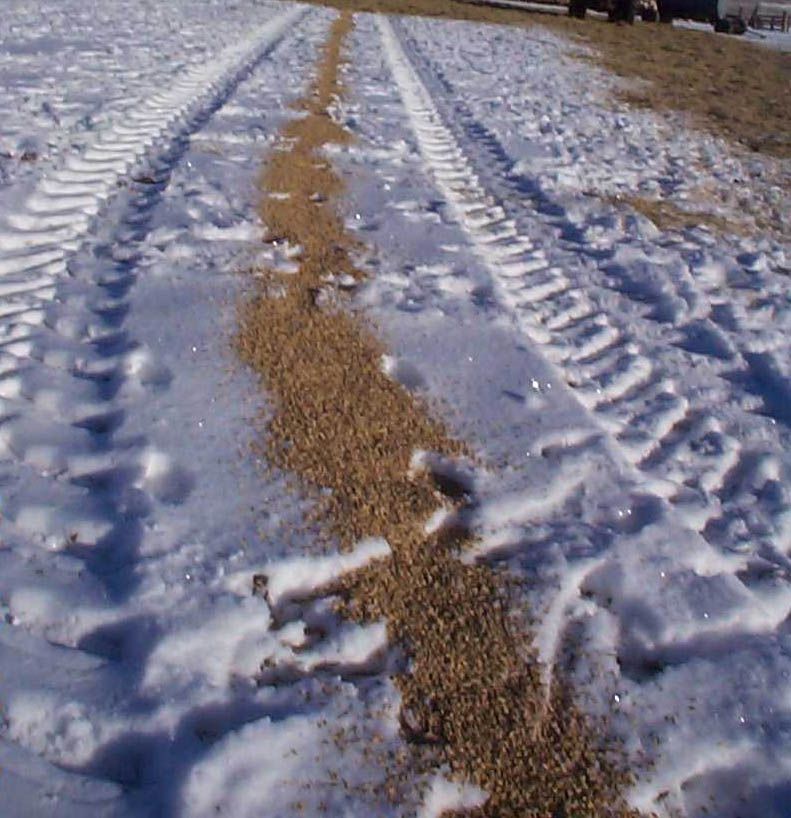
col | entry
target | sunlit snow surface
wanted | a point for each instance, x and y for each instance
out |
(134, 513)
(629, 390)
(776, 40)
(628, 387)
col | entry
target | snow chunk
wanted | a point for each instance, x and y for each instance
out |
(302, 575)
(445, 795)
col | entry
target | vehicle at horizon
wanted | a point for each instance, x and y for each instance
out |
(616, 10)
(723, 16)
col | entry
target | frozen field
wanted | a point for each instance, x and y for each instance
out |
(777, 40)
(628, 389)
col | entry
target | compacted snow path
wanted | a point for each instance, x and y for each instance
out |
(615, 374)
(165, 647)
(134, 514)
(37, 238)
(633, 382)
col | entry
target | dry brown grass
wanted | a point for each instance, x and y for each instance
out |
(473, 698)
(667, 216)
(729, 87)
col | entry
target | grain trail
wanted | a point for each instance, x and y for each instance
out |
(473, 698)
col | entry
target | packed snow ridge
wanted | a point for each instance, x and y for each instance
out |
(628, 389)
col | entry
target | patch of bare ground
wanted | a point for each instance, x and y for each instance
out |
(731, 88)
(473, 698)
(718, 209)
(668, 216)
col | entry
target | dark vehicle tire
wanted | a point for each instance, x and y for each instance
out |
(722, 26)
(578, 8)
(738, 26)
(622, 11)
(665, 12)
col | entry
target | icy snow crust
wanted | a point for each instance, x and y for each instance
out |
(134, 512)
(628, 386)
(776, 40)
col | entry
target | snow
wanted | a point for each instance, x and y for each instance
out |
(291, 577)
(634, 437)
(445, 795)
(135, 513)
(168, 643)
(775, 40)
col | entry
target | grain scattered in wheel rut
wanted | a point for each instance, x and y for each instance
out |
(473, 698)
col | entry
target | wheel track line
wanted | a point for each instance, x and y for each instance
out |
(699, 492)
(624, 403)
(520, 298)
(495, 155)
(36, 241)
(57, 427)
(692, 462)
(68, 197)
(61, 376)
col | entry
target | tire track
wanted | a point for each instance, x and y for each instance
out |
(578, 338)
(57, 214)
(716, 494)
(87, 487)
(691, 306)
(663, 433)
(66, 315)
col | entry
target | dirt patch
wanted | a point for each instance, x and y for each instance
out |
(668, 216)
(729, 87)
(713, 206)
(473, 698)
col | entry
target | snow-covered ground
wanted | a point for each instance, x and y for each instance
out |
(134, 513)
(776, 40)
(628, 388)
